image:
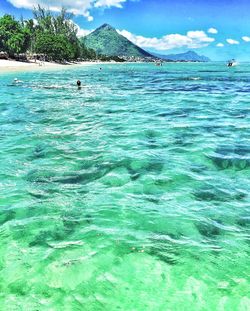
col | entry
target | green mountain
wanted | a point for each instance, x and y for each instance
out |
(105, 40)
(189, 56)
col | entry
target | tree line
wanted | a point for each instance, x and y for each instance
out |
(54, 35)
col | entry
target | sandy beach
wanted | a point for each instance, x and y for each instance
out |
(13, 66)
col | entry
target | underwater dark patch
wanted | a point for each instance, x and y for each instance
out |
(163, 249)
(152, 199)
(46, 236)
(155, 166)
(18, 288)
(41, 239)
(215, 194)
(135, 176)
(38, 195)
(208, 230)
(196, 168)
(70, 224)
(40, 176)
(88, 218)
(7, 215)
(244, 222)
(39, 151)
(237, 157)
(70, 179)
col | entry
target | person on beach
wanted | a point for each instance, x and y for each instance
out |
(79, 83)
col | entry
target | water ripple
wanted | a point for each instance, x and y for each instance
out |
(137, 183)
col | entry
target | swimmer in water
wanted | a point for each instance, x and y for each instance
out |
(79, 83)
(16, 81)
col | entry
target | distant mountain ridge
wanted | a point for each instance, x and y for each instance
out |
(189, 56)
(105, 40)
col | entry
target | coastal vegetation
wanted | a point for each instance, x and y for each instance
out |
(52, 35)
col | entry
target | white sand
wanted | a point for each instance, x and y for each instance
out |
(12, 66)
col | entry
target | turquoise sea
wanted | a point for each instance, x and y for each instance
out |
(131, 194)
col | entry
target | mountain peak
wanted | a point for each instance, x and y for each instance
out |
(105, 40)
(106, 27)
(191, 53)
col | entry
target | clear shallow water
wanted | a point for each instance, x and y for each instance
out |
(130, 194)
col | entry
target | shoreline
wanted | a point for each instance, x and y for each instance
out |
(9, 66)
(12, 66)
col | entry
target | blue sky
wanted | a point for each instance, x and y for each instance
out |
(219, 29)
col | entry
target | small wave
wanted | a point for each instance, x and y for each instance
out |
(194, 78)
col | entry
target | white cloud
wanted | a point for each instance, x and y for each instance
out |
(109, 3)
(193, 39)
(231, 41)
(77, 7)
(212, 30)
(81, 32)
(220, 45)
(246, 39)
